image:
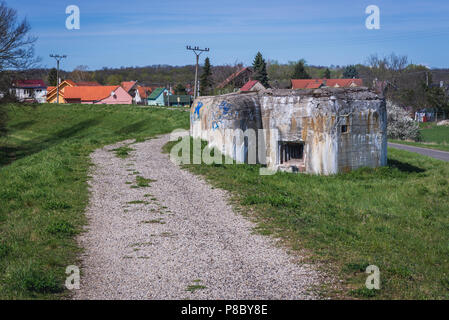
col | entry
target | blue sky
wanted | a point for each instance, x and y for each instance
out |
(117, 33)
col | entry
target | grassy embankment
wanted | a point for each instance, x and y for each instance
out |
(44, 164)
(433, 137)
(395, 217)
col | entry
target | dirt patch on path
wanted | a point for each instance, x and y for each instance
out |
(170, 235)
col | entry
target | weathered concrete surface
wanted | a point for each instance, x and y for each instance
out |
(340, 129)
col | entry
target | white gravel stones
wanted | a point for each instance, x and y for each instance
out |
(184, 235)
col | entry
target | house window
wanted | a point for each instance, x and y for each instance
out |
(291, 152)
(344, 128)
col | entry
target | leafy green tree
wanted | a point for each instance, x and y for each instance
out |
(260, 70)
(299, 71)
(53, 77)
(206, 79)
(327, 73)
(180, 89)
(350, 72)
(436, 98)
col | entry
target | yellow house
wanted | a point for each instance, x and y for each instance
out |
(52, 92)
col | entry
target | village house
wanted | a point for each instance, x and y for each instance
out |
(322, 83)
(144, 93)
(157, 97)
(29, 90)
(97, 95)
(252, 85)
(52, 92)
(189, 89)
(132, 88)
(318, 131)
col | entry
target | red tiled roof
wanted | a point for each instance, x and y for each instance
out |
(247, 86)
(317, 83)
(127, 85)
(36, 83)
(88, 83)
(89, 93)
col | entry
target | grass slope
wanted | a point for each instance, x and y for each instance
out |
(432, 137)
(394, 217)
(43, 185)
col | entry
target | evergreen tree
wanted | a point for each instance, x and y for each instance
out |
(205, 79)
(260, 70)
(327, 73)
(350, 72)
(299, 71)
(52, 77)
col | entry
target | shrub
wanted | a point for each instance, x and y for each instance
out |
(400, 124)
(61, 228)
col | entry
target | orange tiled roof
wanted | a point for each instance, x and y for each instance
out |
(306, 83)
(143, 91)
(127, 85)
(344, 82)
(89, 93)
(52, 90)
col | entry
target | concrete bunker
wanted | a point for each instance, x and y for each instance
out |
(320, 131)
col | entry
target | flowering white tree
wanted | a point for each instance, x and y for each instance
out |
(400, 124)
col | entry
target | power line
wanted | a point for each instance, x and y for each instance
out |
(197, 52)
(58, 58)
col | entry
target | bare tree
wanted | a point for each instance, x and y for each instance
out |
(388, 68)
(80, 73)
(16, 52)
(16, 44)
(405, 84)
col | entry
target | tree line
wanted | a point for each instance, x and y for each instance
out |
(404, 83)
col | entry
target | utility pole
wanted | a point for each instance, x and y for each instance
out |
(197, 52)
(58, 59)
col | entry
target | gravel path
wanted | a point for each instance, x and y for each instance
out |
(183, 242)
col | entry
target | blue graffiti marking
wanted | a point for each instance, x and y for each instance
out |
(197, 110)
(225, 107)
(215, 125)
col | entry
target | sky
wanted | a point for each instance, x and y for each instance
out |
(116, 33)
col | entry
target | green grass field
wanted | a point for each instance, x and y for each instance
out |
(432, 136)
(395, 217)
(43, 190)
